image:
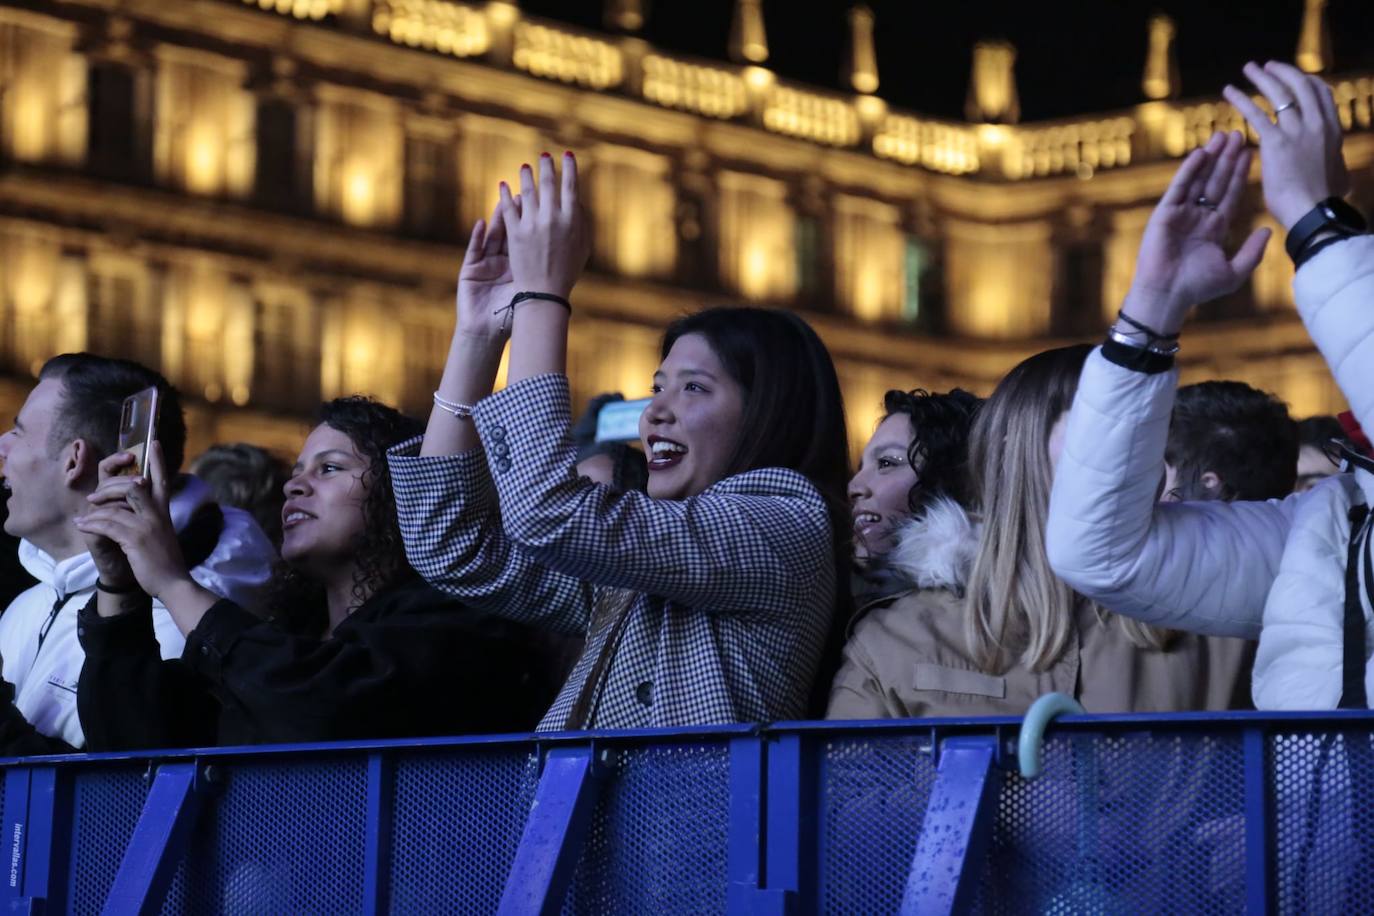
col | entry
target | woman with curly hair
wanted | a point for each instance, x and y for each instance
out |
(355, 645)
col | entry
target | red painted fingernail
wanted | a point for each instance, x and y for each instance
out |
(569, 154)
(504, 185)
(545, 156)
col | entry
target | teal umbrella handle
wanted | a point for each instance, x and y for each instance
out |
(1038, 717)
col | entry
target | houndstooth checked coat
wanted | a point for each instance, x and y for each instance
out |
(729, 592)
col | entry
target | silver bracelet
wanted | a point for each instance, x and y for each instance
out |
(461, 411)
(1151, 347)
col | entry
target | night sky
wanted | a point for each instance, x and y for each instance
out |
(1074, 56)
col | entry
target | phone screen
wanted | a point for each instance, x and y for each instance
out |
(138, 428)
(618, 421)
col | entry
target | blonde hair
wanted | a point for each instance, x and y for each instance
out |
(1016, 609)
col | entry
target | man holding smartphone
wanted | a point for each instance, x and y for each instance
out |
(68, 424)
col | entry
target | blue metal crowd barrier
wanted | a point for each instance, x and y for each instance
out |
(1187, 813)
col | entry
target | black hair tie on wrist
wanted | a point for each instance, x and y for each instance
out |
(518, 298)
(111, 590)
(1144, 328)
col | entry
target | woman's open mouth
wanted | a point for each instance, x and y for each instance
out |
(665, 453)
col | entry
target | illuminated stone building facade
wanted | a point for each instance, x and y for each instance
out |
(267, 199)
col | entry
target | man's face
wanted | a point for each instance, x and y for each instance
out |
(35, 476)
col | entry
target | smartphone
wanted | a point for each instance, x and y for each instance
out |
(619, 420)
(138, 428)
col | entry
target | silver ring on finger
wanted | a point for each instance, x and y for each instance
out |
(1202, 201)
(1284, 107)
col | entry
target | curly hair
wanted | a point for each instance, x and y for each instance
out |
(938, 452)
(298, 601)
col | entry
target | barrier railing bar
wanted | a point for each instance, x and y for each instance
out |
(159, 840)
(1176, 721)
(16, 811)
(789, 864)
(37, 808)
(555, 831)
(513, 740)
(45, 866)
(744, 854)
(1259, 823)
(381, 780)
(957, 828)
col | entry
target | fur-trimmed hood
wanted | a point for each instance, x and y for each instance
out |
(936, 548)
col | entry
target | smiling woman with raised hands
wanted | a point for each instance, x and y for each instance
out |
(712, 598)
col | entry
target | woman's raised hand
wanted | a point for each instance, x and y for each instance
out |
(133, 513)
(546, 229)
(1300, 150)
(1182, 261)
(485, 283)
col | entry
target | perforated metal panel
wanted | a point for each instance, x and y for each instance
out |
(279, 838)
(1126, 819)
(458, 820)
(1132, 823)
(658, 838)
(1323, 786)
(105, 807)
(873, 795)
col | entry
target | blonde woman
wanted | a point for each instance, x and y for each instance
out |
(987, 627)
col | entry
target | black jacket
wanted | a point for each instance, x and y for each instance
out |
(409, 662)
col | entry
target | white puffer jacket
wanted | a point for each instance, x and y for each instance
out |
(1276, 569)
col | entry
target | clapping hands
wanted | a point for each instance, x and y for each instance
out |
(1300, 150)
(547, 230)
(1183, 261)
(535, 241)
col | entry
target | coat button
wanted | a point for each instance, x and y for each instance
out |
(497, 432)
(503, 464)
(500, 449)
(204, 649)
(644, 693)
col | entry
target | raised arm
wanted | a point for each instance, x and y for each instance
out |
(446, 506)
(760, 540)
(445, 502)
(1302, 165)
(1200, 567)
(485, 287)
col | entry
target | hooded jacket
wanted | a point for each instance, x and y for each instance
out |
(41, 654)
(1273, 570)
(907, 656)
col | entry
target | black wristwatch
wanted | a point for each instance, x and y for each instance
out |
(1332, 214)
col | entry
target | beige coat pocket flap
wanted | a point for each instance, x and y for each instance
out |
(958, 680)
